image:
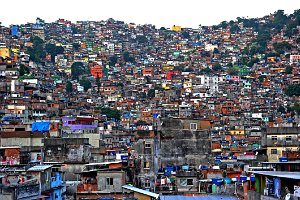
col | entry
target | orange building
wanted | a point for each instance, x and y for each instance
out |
(148, 71)
(97, 71)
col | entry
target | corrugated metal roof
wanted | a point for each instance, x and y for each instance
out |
(38, 168)
(281, 174)
(104, 163)
(138, 190)
(206, 197)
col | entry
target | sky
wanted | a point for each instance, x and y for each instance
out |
(161, 13)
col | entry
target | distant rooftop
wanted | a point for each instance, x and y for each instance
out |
(141, 191)
(281, 174)
(39, 168)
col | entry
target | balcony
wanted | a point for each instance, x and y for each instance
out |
(110, 158)
(186, 173)
(274, 143)
(168, 188)
(246, 157)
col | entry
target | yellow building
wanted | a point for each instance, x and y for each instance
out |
(168, 67)
(237, 132)
(4, 52)
(176, 28)
(280, 140)
(274, 153)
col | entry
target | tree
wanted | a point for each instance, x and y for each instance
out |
(217, 67)
(24, 70)
(111, 113)
(113, 60)
(141, 39)
(205, 54)
(216, 50)
(151, 93)
(234, 29)
(185, 35)
(54, 50)
(223, 24)
(98, 83)
(281, 47)
(296, 108)
(206, 70)
(292, 90)
(281, 109)
(229, 64)
(76, 46)
(232, 71)
(127, 57)
(86, 84)
(289, 70)
(77, 69)
(69, 88)
(36, 52)
(261, 78)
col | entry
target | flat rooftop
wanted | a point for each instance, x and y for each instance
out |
(281, 174)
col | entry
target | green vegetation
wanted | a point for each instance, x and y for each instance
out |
(232, 71)
(77, 69)
(53, 50)
(288, 70)
(141, 39)
(76, 46)
(24, 70)
(151, 93)
(113, 60)
(86, 84)
(292, 90)
(185, 35)
(37, 52)
(69, 88)
(217, 67)
(127, 57)
(261, 78)
(111, 113)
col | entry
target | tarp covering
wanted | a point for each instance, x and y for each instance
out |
(40, 126)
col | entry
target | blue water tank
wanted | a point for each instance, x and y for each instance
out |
(185, 167)
(227, 180)
(283, 159)
(243, 178)
(217, 181)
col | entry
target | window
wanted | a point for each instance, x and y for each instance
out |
(193, 126)
(189, 181)
(186, 182)
(273, 151)
(109, 181)
(147, 184)
(274, 138)
(288, 138)
(148, 145)
(146, 165)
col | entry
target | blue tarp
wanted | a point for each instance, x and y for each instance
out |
(156, 115)
(40, 126)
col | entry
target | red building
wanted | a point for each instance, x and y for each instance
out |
(97, 71)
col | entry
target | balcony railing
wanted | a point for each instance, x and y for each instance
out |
(274, 143)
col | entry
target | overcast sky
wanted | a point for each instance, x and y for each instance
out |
(187, 13)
